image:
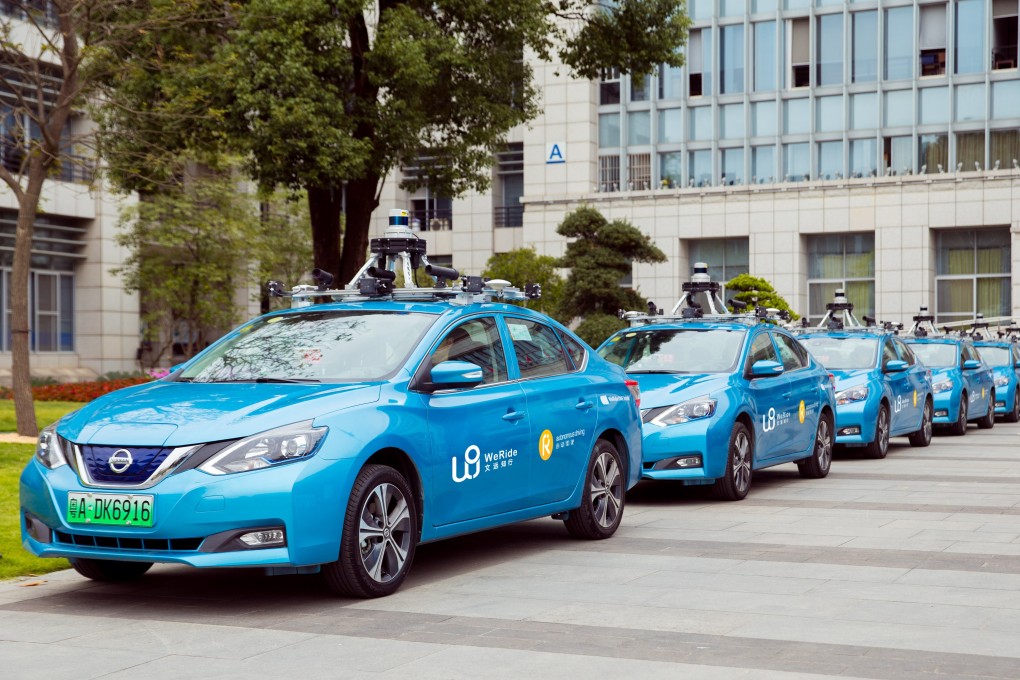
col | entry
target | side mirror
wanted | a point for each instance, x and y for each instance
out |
(971, 364)
(895, 366)
(765, 368)
(453, 374)
(1016, 365)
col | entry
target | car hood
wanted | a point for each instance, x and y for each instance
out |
(848, 378)
(668, 389)
(176, 414)
(944, 373)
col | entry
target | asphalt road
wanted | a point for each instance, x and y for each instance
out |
(907, 567)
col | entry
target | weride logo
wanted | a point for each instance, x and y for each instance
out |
(472, 458)
(774, 419)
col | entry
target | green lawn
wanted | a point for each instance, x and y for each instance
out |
(46, 412)
(15, 560)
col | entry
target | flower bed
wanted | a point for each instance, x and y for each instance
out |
(82, 391)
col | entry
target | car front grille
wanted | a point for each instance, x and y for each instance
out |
(145, 461)
(128, 543)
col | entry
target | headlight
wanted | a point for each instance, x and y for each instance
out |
(942, 386)
(282, 445)
(48, 450)
(1001, 380)
(695, 409)
(859, 393)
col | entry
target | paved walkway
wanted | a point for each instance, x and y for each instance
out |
(908, 567)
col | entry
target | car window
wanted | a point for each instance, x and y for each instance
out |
(888, 354)
(538, 349)
(836, 353)
(477, 342)
(968, 353)
(792, 359)
(761, 350)
(676, 350)
(995, 356)
(905, 353)
(574, 350)
(1016, 353)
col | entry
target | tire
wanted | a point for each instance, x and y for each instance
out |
(602, 500)
(380, 534)
(1014, 415)
(987, 422)
(111, 571)
(959, 428)
(879, 446)
(922, 437)
(818, 465)
(736, 482)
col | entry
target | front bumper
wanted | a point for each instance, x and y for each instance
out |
(857, 421)
(193, 511)
(1004, 396)
(708, 438)
(948, 405)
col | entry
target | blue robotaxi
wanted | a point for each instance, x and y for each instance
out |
(338, 436)
(1003, 355)
(882, 390)
(962, 383)
(725, 395)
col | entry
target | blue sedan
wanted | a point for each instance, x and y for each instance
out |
(882, 390)
(961, 381)
(722, 398)
(337, 437)
(1004, 358)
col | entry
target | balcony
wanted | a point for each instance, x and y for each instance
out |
(432, 220)
(508, 216)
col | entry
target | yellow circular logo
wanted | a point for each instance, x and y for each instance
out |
(801, 412)
(545, 445)
(915, 398)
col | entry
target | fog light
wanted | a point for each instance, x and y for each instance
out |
(36, 529)
(941, 413)
(1000, 404)
(689, 462)
(846, 431)
(263, 539)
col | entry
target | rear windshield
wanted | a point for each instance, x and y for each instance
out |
(995, 356)
(674, 350)
(936, 354)
(842, 354)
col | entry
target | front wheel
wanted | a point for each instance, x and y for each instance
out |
(112, 571)
(602, 501)
(879, 446)
(987, 422)
(380, 533)
(959, 428)
(817, 466)
(922, 437)
(1014, 415)
(737, 480)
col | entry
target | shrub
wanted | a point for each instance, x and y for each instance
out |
(597, 327)
(82, 391)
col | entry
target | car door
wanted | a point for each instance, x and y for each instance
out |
(898, 385)
(563, 404)
(917, 384)
(479, 436)
(771, 418)
(979, 381)
(802, 395)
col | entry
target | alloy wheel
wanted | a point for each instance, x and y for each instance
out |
(742, 462)
(384, 532)
(606, 490)
(823, 445)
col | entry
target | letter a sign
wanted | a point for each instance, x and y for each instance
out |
(555, 152)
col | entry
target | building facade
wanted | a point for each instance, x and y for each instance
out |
(871, 145)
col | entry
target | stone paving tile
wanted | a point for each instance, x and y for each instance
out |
(39, 660)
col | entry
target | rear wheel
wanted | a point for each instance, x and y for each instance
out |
(1014, 415)
(879, 446)
(734, 485)
(817, 466)
(110, 570)
(922, 437)
(988, 421)
(959, 428)
(380, 533)
(602, 501)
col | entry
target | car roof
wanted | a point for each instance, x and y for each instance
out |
(700, 325)
(438, 307)
(821, 333)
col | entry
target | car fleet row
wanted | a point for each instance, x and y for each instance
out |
(338, 435)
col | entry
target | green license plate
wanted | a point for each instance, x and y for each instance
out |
(111, 509)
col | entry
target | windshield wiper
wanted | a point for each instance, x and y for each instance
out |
(287, 380)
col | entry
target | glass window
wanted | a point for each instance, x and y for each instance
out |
(865, 46)
(830, 160)
(864, 111)
(970, 102)
(796, 162)
(899, 108)
(934, 105)
(791, 358)
(639, 92)
(609, 129)
(842, 354)
(733, 8)
(699, 62)
(796, 4)
(970, 150)
(726, 258)
(829, 114)
(972, 273)
(701, 122)
(863, 158)
(731, 118)
(575, 351)
(763, 164)
(609, 87)
(899, 60)
(670, 167)
(796, 116)
(799, 52)
(731, 59)
(970, 36)
(763, 119)
(700, 171)
(762, 349)
(905, 353)
(733, 166)
(1005, 147)
(701, 9)
(639, 128)
(897, 155)
(1006, 99)
(671, 130)
(765, 52)
(671, 82)
(933, 151)
(829, 44)
(764, 5)
(66, 313)
(476, 342)
(844, 261)
(677, 350)
(538, 349)
(932, 40)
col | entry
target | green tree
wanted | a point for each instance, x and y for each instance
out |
(328, 96)
(601, 255)
(751, 287)
(523, 266)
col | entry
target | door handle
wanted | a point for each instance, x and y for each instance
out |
(787, 395)
(512, 416)
(583, 405)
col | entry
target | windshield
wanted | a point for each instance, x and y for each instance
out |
(843, 354)
(935, 355)
(996, 356)
(337, 346)
(676, 350)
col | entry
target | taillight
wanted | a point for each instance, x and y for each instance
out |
(832, 380)
(635, 391)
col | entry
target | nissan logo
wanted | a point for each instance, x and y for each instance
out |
(120, 460)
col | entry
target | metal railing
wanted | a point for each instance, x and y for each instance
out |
(508, 216)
